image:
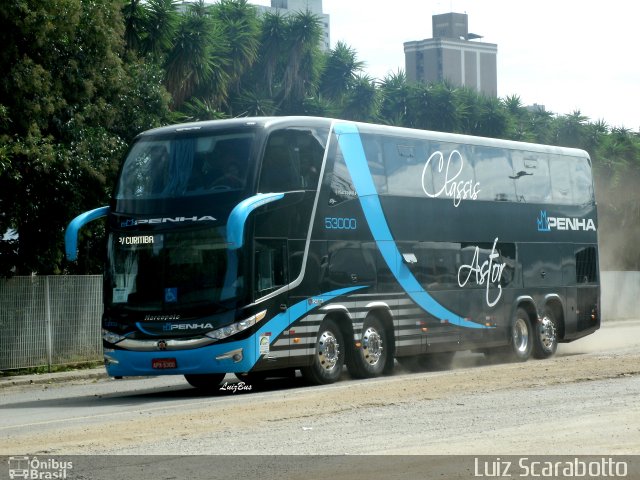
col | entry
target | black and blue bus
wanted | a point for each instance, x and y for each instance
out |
(260, 246)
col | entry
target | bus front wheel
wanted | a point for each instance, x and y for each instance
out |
(328, 358)
(205, 381)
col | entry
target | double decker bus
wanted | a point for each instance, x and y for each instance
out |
(259, 246)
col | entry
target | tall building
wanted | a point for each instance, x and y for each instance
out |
(313, 6)
(453, 55)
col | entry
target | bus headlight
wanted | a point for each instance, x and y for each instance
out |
(111, 337)
(237, 327)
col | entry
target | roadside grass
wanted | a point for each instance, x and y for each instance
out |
(42, 369)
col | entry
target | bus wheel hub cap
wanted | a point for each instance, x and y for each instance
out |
(547, 333)
(371, 346)
(328, 350)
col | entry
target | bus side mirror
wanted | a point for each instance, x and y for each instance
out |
(71, 234)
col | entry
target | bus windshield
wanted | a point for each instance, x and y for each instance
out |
(174, 270)
(178, 165)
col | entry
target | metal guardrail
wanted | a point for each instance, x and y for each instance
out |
(50, 320)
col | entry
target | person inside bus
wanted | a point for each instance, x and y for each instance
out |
(231, 176)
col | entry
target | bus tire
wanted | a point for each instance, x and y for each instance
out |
(370, 358)
(521, 337)
(205, 381)
(545, 338)
(328, 357)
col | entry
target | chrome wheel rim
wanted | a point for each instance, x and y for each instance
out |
(372, 346)
(328, 350)
(520, 336)
(547, 334)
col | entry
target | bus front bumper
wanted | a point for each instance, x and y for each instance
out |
(229, 357)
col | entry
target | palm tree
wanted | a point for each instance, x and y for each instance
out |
(302, 39)
(271, 45)
(434, 107)
(541, 126)
(239, 23)
(198, 57)
(494, 119)
(395, 92)
(160, 24)
(340, 70)
(133, 13)
(362, 102)
(572, 130)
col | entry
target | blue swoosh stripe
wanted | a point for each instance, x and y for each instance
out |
(356, 160)
(282, 321)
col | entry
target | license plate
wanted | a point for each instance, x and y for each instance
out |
(164, 363)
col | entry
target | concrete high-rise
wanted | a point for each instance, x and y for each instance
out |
(453, 55)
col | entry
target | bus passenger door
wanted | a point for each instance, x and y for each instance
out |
(270, 275)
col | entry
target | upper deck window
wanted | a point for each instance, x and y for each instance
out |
(292, 160)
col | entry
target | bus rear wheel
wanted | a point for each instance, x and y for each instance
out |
(205, 381)
(328, 358)
(370, 358)
(521, 341)
(545, 339)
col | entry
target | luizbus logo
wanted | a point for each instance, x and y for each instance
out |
(547, 223)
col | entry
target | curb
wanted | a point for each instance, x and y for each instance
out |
(53, 378)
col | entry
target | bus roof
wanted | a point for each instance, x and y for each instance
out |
(289, 121)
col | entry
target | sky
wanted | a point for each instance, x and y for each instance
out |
(564, 54)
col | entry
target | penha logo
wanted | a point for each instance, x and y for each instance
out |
(131, 222)
(547, 223)
(543, 222)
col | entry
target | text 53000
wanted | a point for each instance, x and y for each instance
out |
(338, 223)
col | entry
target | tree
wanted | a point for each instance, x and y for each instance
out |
(273, 34)
(395, 92)
(238, 22)
(340, 72)
(302, 70)
(199, 57)
(160, 22)
(64, 95)
(361, 103)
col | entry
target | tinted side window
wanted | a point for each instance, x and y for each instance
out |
(494, 173)
(292, 160)
(532, 177)
(559, 170)
(270, 266)
(342, 188)
(404, 162)
(374, 151)
(581, 181)
(586, 265)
